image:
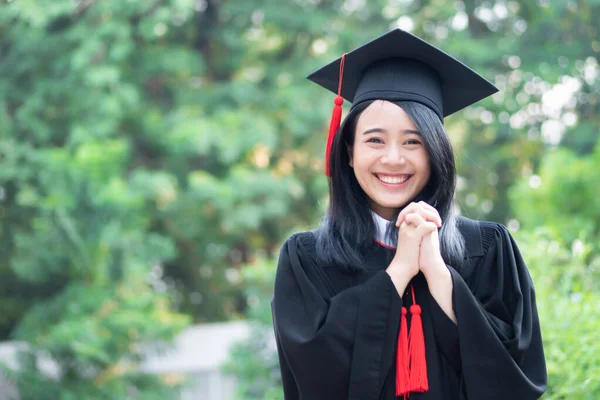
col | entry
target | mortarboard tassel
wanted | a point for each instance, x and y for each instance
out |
(411, 364)
(336, 118)
(418, 364)
(402, 371)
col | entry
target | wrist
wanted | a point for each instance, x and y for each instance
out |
(400, 277)
(440, 274)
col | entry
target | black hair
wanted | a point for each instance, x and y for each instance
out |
(347, 230)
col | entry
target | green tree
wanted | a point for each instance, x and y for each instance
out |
(254, 362)
(568, 296)
(543, 57)
(210, 102)
(178, 139)
(562, 196)
(81, 257)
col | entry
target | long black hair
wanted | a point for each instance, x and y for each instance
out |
(347, 230)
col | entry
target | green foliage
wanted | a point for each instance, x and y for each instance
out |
(563, 196)
(82, 259)
(567, 281)
(254, 362)
(199, 101)
(543, 56)
(169, 143)
(96, 336)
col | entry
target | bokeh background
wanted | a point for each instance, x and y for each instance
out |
(154, 154)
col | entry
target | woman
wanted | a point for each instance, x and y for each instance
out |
(394, 296)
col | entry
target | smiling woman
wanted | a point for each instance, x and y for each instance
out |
(394, 295)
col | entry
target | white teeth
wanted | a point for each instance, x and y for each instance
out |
(394, 180)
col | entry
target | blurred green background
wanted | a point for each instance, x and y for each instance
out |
(154, 154)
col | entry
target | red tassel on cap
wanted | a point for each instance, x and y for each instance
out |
(336, 118)
(402, 371)
(418, 363)
(411, 364)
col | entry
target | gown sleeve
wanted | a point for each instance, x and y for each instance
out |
(500, 342)
(446, 334)
(332, 345)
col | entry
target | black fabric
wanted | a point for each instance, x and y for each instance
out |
(336, 331)
(399, 66)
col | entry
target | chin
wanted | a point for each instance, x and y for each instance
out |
(393, 204)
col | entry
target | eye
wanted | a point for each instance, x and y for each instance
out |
(413, 142)
(375, 140)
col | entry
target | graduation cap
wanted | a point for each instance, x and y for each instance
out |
(399, 66)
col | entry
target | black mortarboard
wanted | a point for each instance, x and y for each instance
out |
(399, 66)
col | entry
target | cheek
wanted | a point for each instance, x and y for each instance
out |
(422, 167)
(424, 164)
(427, 168)
(362, 160)
(356, 156)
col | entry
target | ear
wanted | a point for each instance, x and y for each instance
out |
(349, 150)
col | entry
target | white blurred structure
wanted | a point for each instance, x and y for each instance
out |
(197, 355)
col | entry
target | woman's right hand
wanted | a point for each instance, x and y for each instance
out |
(415, 223)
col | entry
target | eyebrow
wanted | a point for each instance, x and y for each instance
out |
(380, 130)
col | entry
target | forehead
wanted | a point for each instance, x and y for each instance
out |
(385, 115)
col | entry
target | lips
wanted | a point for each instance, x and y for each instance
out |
(393, 179)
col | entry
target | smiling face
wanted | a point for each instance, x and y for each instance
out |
(389, 158)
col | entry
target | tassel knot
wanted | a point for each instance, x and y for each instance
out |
(415, 309)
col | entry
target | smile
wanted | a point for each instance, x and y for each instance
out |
(393, 179)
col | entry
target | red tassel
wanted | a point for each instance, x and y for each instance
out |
(418, 363)
(336, 118)
(334, 125)
(402, 371)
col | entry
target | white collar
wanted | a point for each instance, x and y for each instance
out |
(381, 227)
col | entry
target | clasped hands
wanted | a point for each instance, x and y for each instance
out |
(418, 245)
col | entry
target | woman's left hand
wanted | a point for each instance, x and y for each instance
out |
(430, 258)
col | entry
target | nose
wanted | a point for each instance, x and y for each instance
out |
(393, 155)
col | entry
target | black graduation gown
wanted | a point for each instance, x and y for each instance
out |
(336, 331)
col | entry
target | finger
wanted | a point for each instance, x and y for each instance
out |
(432, 209)
(426, 228)
(403, 226)
(427, 205)
(414, 219)
(431, 216)
(408, 209)
(424, 210)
